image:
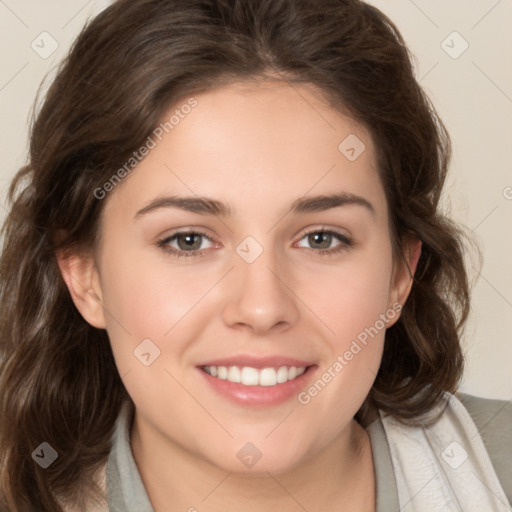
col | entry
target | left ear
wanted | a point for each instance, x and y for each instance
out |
(403, 274)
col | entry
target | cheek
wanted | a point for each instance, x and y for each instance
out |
(149, 302)
(352, 302)
(152, 301)
(351, 296)
(353, 308)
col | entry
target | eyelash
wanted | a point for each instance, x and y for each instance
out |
(163, 243)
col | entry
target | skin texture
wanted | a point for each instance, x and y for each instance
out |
(256, 148)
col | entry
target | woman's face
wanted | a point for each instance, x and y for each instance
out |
(260, 172)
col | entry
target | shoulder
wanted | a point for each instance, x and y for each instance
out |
(493, 419)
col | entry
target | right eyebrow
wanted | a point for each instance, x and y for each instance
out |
(200, 205)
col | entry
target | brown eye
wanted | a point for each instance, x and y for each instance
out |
(320, 240)
(188, 241)
(185, 243)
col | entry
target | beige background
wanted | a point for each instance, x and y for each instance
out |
(472, 91)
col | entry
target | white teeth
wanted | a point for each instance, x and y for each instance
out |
(233, 374)
(282, 374)
(249, 376)
(254, 377)
(268, 377)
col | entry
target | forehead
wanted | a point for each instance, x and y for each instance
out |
(259, 144)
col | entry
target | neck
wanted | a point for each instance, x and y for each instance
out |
(339, 477)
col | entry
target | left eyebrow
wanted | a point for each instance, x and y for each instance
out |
(208, 206)
(326, 202)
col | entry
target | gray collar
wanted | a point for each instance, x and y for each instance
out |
(126, 492)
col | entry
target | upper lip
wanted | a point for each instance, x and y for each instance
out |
(257, 362)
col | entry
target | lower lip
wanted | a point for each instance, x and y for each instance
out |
(259, 395)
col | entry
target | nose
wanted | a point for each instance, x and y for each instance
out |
(260, 296)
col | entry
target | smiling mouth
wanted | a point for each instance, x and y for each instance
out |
(249, 376)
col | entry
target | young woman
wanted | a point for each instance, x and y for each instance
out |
(226, 282)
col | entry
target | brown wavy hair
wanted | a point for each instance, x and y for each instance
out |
(129, 65)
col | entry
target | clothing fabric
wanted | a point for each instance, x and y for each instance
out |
(404, 459)
(444, 467)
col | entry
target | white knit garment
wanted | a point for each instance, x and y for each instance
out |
(444, 467)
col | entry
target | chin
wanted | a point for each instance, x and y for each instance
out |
(258, 458)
